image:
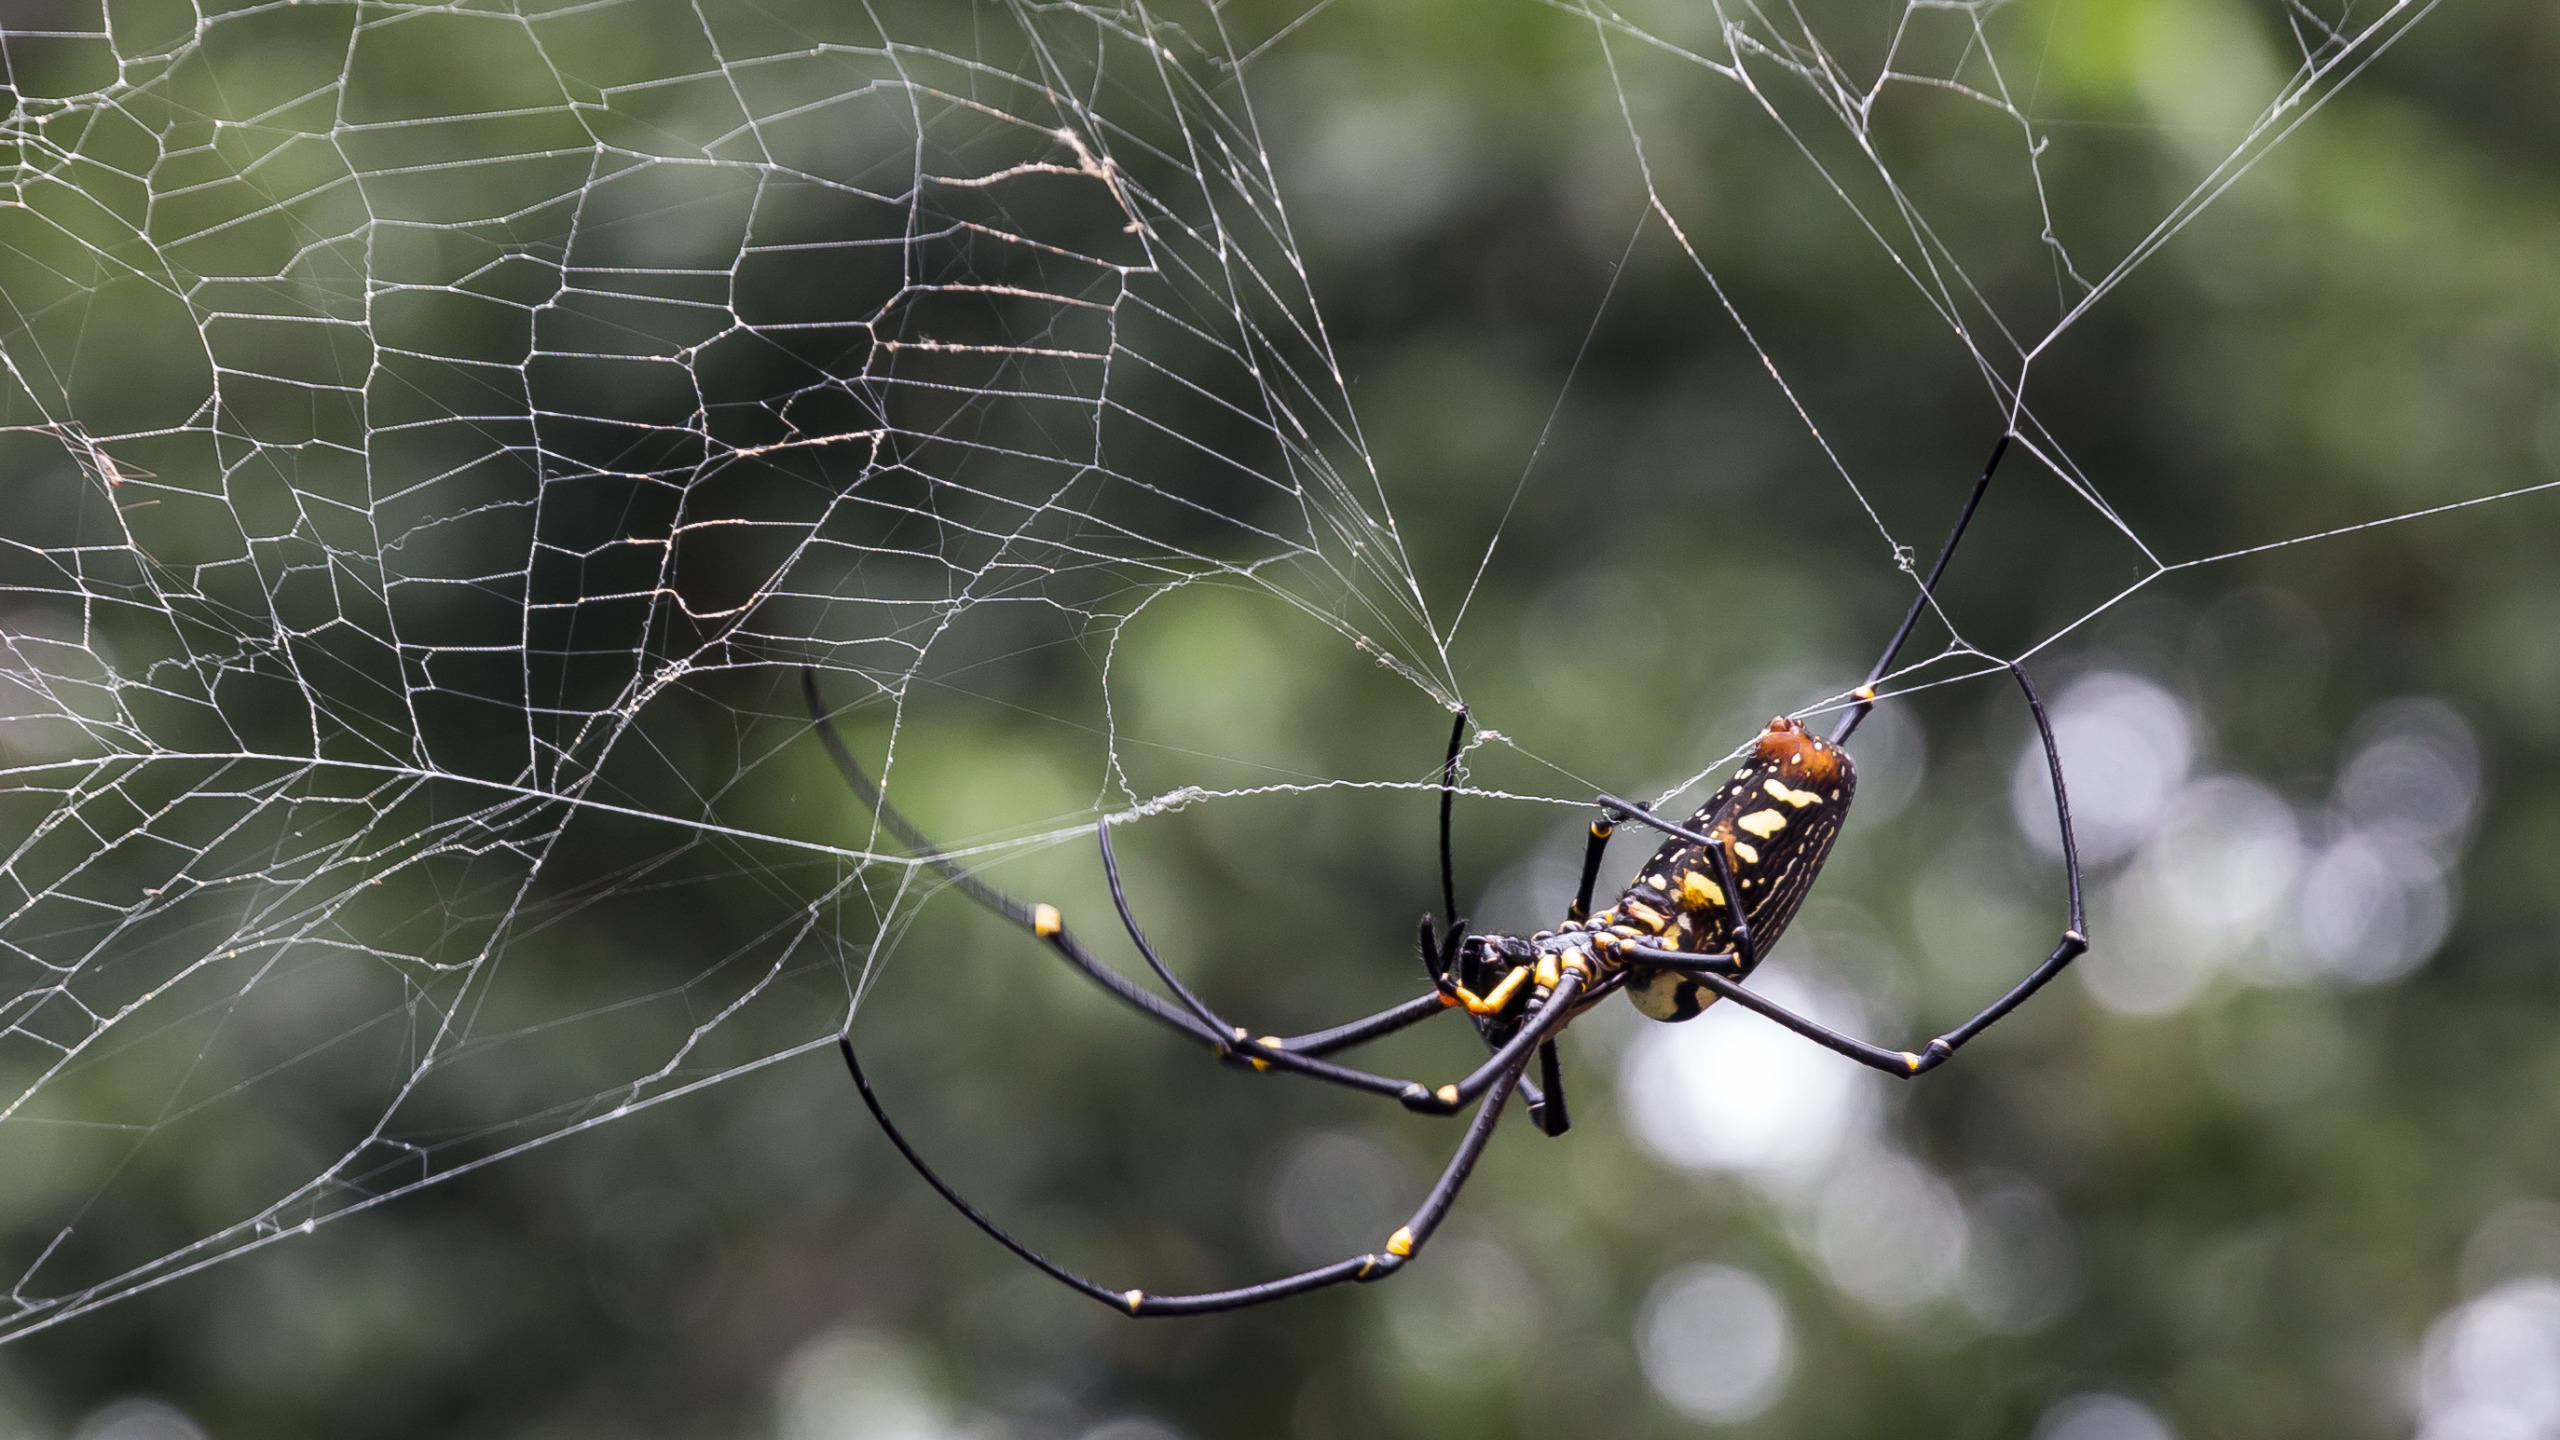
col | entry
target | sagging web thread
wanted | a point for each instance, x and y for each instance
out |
(387, 456)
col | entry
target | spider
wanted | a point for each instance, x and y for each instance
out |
(1689, 930)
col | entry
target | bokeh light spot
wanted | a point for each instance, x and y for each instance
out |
(2102, 1417)
(1716, 1342)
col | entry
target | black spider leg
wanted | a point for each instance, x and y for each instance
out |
(1552, 1117)
(1865, 695)
(1682, 960)
(1044, 922)
(1399, 1248)
(1714, 972)
(1448, 867)
(1863, 701)
(1440, 952)
(1601, 830)
(1246, 1048)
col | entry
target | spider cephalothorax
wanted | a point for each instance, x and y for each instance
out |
(1491, 979)
(1694, 925)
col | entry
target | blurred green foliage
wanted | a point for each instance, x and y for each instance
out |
(2266, 1195)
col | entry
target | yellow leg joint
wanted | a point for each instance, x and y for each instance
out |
(1045, 921)
(1400, 1244)
(1912, 1061)
(1448, 1094)
(1133, 1297)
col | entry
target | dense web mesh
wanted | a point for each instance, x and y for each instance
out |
(437, 435)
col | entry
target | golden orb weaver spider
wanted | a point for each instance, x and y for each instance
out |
(1689, 930)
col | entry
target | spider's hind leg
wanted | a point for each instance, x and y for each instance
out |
(1505, 1074)
(1721, 973)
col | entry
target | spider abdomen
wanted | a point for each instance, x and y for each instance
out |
(1775, 821)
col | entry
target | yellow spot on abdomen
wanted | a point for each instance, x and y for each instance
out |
(1749, 855)
(1763, 823)
(1798, 798)
(1699, 892)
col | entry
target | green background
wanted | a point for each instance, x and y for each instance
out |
(2367, 323)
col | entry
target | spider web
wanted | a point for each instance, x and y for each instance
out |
(421, 484)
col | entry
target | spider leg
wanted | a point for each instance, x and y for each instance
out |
(1439, 951)
(1155, 962)
(1546, 1098)
(1385, 1022)
(1865, 695)
(1720, 973)
(1746, 955)
(1601, 830)
(1553, 1010)
(1709, 971)
(1642, 815)
(1044, 922)
(1746, 949)
(1269, 1049)
(1448, 796)
(1040, 920)
(1399, 1248)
